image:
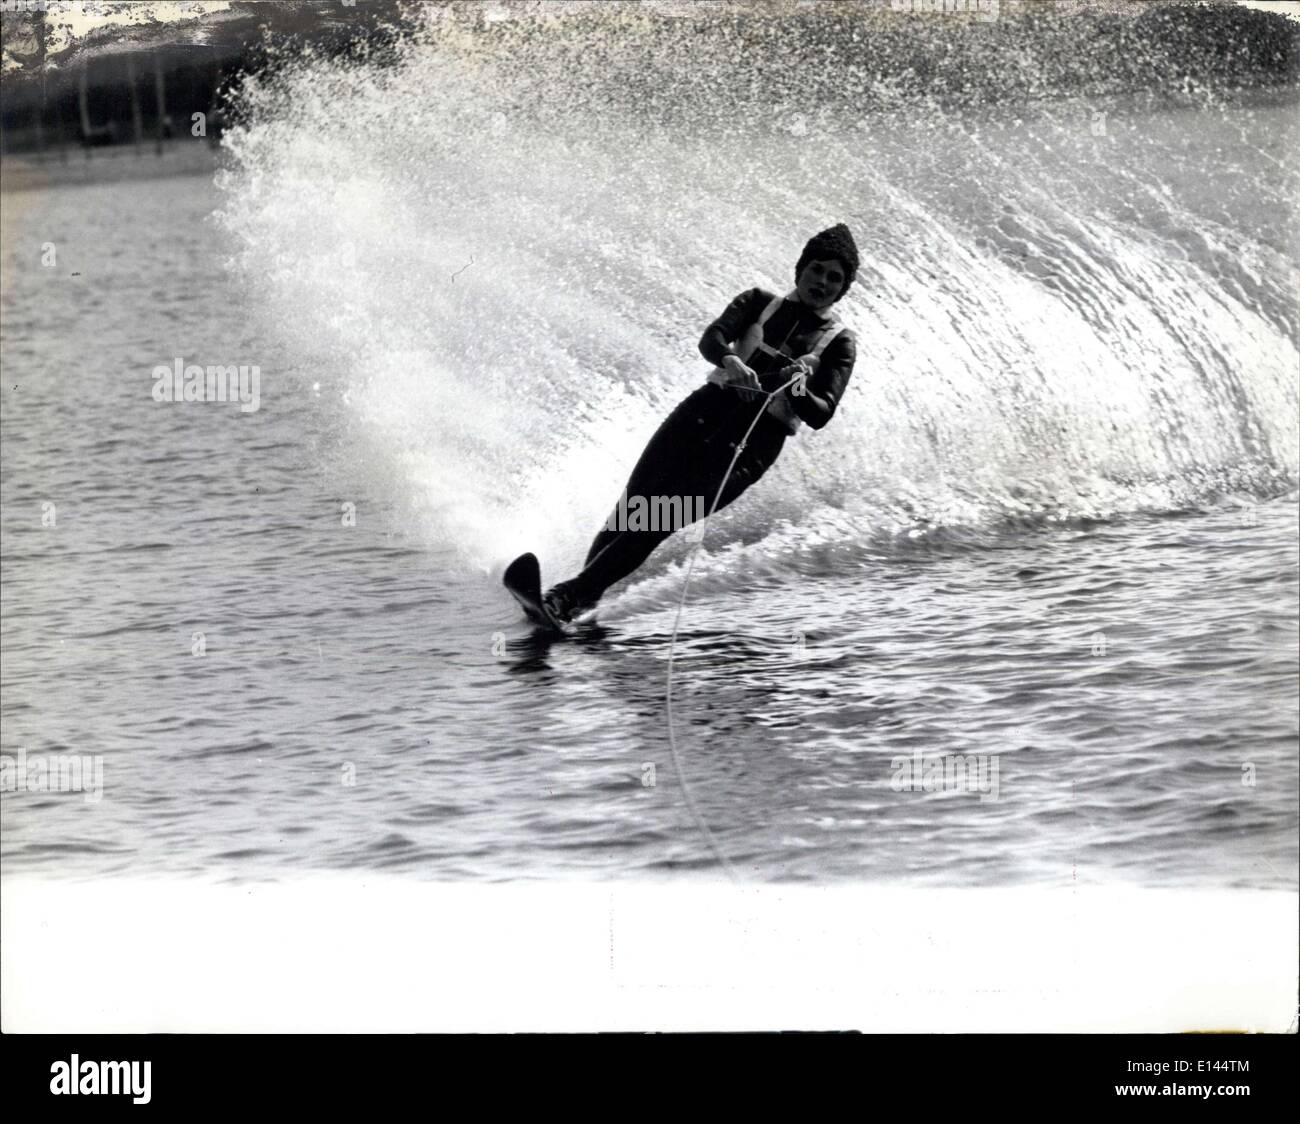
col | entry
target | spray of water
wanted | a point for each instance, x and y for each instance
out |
(497, 250)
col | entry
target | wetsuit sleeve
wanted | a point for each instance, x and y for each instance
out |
(823, 391)
(738, 316)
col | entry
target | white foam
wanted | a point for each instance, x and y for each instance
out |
(503, 276)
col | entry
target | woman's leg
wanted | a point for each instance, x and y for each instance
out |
(684, 462)
(661, 470)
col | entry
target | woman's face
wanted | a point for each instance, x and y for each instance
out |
(820, 282)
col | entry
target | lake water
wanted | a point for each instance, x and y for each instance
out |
(1054, 523)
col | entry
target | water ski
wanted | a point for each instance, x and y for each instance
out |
(523, 578)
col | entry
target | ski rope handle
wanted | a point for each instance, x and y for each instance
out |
(681, 604)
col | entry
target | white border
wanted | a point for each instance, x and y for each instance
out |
(388, 954)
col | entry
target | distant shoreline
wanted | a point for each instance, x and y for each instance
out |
(70, 164)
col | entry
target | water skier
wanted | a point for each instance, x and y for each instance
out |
(760, 343)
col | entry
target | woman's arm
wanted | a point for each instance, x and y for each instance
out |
(715, 344)
(821, 392)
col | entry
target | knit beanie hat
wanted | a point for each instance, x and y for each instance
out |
(835, 242)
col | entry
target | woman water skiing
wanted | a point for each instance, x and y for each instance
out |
(760, 343)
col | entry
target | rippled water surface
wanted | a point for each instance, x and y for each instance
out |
(1055, 521)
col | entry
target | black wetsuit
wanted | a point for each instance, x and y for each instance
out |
(690, 452)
